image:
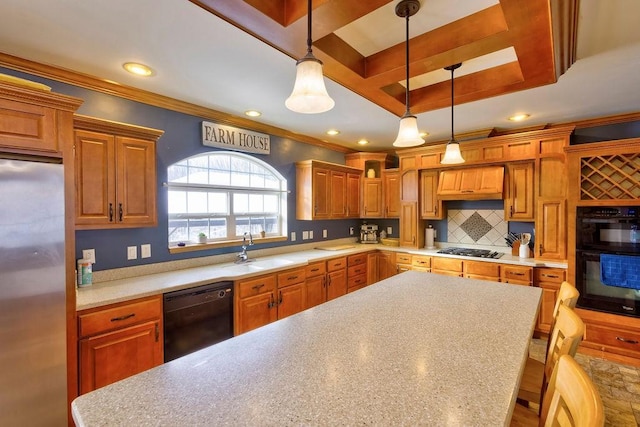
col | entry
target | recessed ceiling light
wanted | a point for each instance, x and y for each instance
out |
(363, 142)
(333, 132)
(138, 69)
(253, 113)
(518, 117)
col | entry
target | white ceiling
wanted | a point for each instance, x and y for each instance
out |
(203, 60)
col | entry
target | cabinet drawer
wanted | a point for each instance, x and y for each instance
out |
(513, 272)
(358, 281)
(336, 264)
(357, 269)
(256, 286)
(613, 337)
(553, 275)
(482, 268)
(315, 269)
(119, 316)
(357, 259)
(291, 277)
(403, 258)
(421, 261)
(450, 264)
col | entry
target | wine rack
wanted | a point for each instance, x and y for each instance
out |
(610, 177)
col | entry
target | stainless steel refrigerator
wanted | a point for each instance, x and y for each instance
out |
(33, 358)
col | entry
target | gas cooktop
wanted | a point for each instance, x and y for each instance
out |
(476, 253)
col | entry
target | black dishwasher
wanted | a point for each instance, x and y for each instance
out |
(196, 318)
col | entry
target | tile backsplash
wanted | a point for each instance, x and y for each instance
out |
(477, 226)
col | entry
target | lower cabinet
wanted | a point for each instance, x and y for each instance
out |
(118, 341)
(516, 274)
(356, 272)
(292, 297)
(316, 278)
(336, 277)
(421, 263)
(481, 270)
(611, 336)
(549, 280)
(447, 266)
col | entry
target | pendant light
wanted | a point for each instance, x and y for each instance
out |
(309, 94)
(452, 155)
(408, 134)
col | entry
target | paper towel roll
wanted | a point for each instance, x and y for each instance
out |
(428, 238)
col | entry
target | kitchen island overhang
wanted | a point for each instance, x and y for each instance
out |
(417, 348)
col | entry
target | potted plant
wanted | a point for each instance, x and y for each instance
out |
(202, 238)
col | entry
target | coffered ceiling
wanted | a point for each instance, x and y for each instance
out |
(558, 60)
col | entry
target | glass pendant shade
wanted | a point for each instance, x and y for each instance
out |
(452, 155)
(309, 94)
(408, 134)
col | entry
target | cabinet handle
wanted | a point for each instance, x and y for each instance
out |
(110, 212)
(413, 240)
(627, 340)
(313, 270)
(540, 249)
(157, 332)
(272, 302)
(467, 191)
(386, 211)
(125, 317)
(324, 282)
(315, 210)
(280, 299)
(257, 287)
(292, 277)
(435, 210)
(511, 211)
(120, 211)
(551, 276)
(513, 273)
(328, 280)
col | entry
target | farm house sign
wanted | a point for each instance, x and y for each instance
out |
(231, 138)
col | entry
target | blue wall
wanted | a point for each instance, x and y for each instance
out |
(182, 139)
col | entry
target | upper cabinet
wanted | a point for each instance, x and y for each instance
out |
(35, 121)
(430, 203)
(375, 202)
(518, 203)
(115, 167)
(324, 191)
(471, 183)
(391, 193)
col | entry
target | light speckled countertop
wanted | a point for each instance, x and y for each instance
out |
(113, 291)
(414, 349)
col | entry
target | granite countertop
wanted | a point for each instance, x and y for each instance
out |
(125, 289)
(414, 349)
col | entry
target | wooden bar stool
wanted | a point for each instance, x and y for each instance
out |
(571, 399)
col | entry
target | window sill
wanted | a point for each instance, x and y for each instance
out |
(192, 247)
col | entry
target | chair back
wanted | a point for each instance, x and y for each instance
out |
(566, 336)
(567, 295)
(571, 398)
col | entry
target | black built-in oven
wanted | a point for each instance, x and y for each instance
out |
(606, 230)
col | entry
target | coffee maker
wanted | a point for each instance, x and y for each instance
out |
(368, 233)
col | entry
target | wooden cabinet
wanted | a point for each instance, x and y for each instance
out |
(380, 265)
(372, 202)
(608, 335)
(516, 274)
(316, 278)
(291, 292)
(518, 203)
(403, 262)
(336, 277)
(471, 183)
(481, 270)
(551, 229)
(549, 280)
(356, 272)
(447, 266)
(255, 303)
(322, 189)
(411, 225)
(430, 203)
(421, 263)
(118, 341)
(115, 167)
(391, 193)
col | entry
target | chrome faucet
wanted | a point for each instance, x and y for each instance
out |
(244, 256)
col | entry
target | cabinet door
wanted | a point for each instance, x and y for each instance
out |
(519, 200)
(430, 204)
(373, 267)
(545, 316)
(338, 194)
(291, 300)
(391, 191)
(256, 311)
(321, 188)
(353, 195)
(551, 226)
(372, 198)
(409, 224)
(136, 182)
(95, 178)
(336, 283)
(316, 290)
(110, 357)
(386, 265)
(26, 126)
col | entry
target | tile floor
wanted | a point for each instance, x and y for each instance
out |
(619, 386)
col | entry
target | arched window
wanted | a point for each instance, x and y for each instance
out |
(225, 195)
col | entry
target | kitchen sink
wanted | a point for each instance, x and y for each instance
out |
(261, 264)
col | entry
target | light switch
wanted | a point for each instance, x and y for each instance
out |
(293, 236)
(389, 231)
(145, 251)
(89, 254)
(132, 252)
(311, 234)
(324, 234)
(305, 235)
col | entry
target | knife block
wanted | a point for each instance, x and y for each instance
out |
(515, 249)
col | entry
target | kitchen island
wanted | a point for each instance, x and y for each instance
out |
(414, 349)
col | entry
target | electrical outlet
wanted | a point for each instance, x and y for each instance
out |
(324, 234)
(350, 231)
(89, 254)
(293, 236)
(389, 231)
(311, 234)
(305, 235)
(132, 252)
(145, 251)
